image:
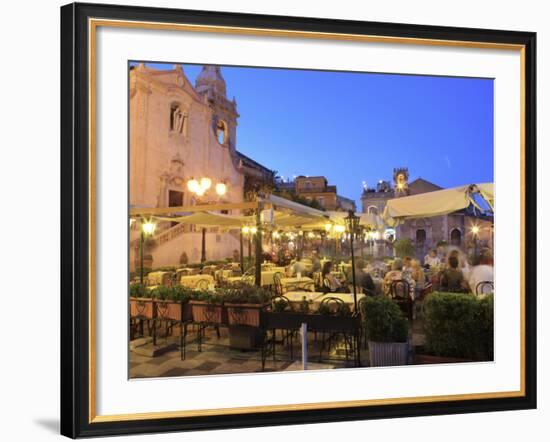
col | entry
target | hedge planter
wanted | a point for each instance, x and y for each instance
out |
(245, 314)
(388, 354)
(206, 312)
(142, 308)
(175, 311)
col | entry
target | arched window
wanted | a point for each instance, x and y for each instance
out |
(177, 119)
(373, 210)
(456, 237)
(221, 132)
(420, 236)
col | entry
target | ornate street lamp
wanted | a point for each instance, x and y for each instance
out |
(147, 229)
(199, 188)
(352, 225)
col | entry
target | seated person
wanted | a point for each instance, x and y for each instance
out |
(482, 272)
(395, 274)
(316, 263)
(295, 268)
(452, 278)
(407, 264)
(362, 278)
(330, 282)
(431, 259)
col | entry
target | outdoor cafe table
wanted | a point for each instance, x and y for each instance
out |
(196, 281)
(159, 278)
(315, 298)
(267, 278)
(302, 282)
(223, 274)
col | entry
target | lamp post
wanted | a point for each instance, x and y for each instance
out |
(352, 224)
(475, 232)
(200, 188)
(147, 229)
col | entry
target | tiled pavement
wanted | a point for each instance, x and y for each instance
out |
(217, 358)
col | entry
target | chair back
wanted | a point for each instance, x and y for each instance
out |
(277, 284)
(485, 287)
(202, 284)
(333, 306)
(280, 303)
(400, 289)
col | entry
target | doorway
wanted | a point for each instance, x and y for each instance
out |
(175, 199)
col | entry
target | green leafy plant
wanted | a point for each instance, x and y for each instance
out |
(384, 321)
(243, 293)
(208, 296)
(403, 247)
(459, 325)
(139, 291)
(175, 293)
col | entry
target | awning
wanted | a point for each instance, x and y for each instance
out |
(209, 219)
(439, 202)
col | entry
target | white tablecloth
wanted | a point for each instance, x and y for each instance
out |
(196, 281)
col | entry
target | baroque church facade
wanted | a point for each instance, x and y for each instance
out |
(178, 132)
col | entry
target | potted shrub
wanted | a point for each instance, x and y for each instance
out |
(141, 303)
(387, 332)
(458, 328)
(244, 303)
(172, 303)
(403, 247)
(207, 306)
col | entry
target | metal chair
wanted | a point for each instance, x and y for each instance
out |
(485, 287)
(202, 284)
(400, 292)
(334, 307)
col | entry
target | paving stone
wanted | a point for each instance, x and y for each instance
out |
(178, 371)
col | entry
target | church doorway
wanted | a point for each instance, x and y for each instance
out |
(175, 199)
(456, 237)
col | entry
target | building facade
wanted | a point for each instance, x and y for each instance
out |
(464, 229)
(317, 188)
(180, 132)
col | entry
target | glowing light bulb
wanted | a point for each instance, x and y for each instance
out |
(206, 183)
(253, 230)
(475, 230)
(221, 188)
(148, 227)
(193, 185)
(245, 229)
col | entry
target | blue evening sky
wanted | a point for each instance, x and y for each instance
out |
(355, 127)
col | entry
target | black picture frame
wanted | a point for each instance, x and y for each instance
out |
(75, 219)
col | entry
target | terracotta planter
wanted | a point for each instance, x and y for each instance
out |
(205, 312)
(175, 311)
(388, 354)
(142, 308)
(245, 314)
(432, 359)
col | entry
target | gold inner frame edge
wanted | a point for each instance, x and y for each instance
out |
(93, 24)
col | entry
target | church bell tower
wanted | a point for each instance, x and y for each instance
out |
(210, 84)
(401, 181)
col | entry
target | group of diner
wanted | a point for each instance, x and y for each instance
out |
(449, 270)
